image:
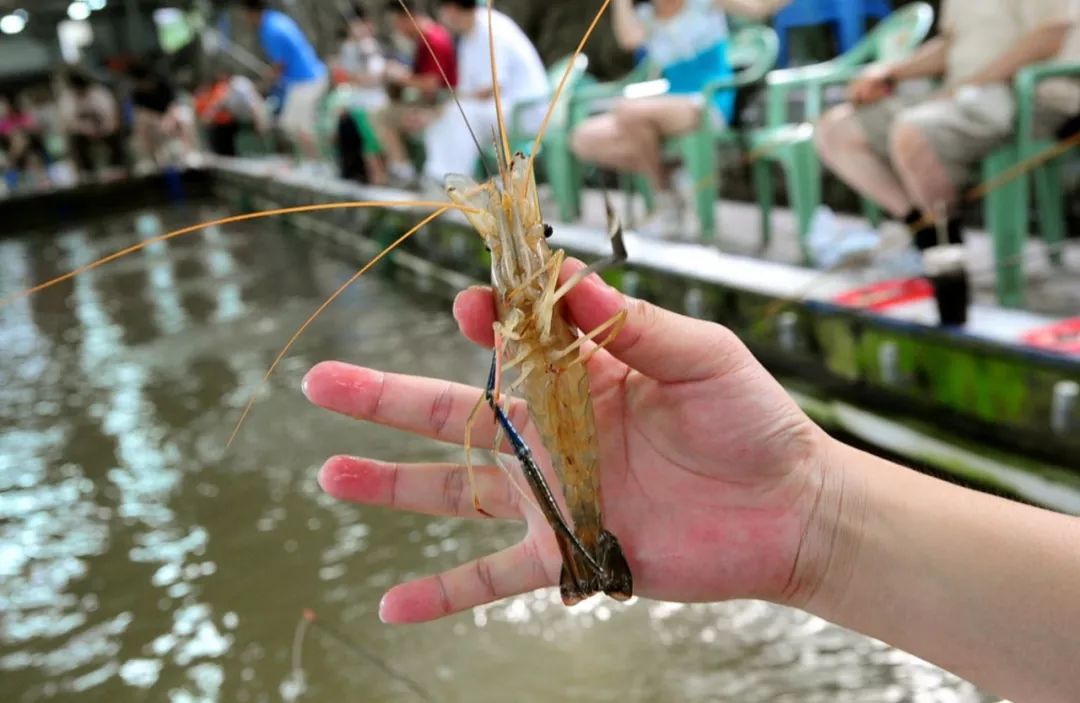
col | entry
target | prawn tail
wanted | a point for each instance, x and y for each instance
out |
(579, 581)
(618, 582)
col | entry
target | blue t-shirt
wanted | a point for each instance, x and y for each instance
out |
(284, 42)
(691, 49)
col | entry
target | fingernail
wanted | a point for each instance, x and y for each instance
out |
(382, 609)
(304, 384)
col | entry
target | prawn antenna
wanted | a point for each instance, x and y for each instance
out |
(562, 82)
(354, 204)
(501, 118)
(449, 86)
(326, 303)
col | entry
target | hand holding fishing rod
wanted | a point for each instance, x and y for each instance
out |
(719, 487)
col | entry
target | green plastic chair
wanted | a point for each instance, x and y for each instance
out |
(894, 37)
(594, 97)
(1006, 205)
(752, 51)
(560, 168)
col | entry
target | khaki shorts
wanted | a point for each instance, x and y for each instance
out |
(408, 118)
(962, 130)
(300, 113)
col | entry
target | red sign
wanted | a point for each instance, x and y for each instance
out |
(1063, 337)
(888, 294)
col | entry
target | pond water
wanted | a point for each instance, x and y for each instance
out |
(142, 561)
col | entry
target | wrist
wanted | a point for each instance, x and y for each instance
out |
(833, 530)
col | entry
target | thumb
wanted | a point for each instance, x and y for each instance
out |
(661, 344)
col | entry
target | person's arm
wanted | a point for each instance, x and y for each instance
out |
(629, 31)
(1041, 44)
(754, 9)
(876, 81)
(928, 61)
(729, 491)
(984, 587)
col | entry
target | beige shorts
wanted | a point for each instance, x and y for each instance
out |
(407, 117)
(300, 113)
(962, 130)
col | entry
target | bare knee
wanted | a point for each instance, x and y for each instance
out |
(908, 146)
(586, 139)
(836, 130)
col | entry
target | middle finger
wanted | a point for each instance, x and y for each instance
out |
(435, 489)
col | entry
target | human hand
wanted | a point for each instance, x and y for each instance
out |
(871, 85)
(712, 478)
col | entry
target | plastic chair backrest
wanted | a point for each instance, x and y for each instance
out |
(894, 37)
(561, 114)
(753, 51)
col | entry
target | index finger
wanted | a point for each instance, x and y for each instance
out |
(426, 406)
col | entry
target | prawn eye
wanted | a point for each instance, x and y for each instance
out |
(548, 231)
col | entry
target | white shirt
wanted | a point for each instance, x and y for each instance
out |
(521, 71)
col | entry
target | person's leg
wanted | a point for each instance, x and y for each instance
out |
(936, 143)
(447, 143)
(602, 140)
(350, 149)
(223, 139)
(389, 127)
(146, 128)
(300, 114)
(630, 138)
(853, 144)
(82, 154)
(372, 149)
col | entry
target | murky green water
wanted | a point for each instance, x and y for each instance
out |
(140, 561)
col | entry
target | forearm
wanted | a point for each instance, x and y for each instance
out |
(986, 588)
(928, 61)
(628, 30)
(1040, 45)
(754, 9)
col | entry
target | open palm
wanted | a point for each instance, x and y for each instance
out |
(710, 473)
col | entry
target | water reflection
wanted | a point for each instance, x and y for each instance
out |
(141, 560)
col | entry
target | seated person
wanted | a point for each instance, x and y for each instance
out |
(416, 89)
(90, 115)
(912, 155)
(21, 139)
(228, 106)
(159, 116)
(687, 39)
(522, 80)
(357, 97)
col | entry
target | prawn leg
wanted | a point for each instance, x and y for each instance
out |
(615, 324)
(535, 477)
(618, 254)
(499, 436)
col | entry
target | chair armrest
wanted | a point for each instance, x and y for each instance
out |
(518, 113)
(803, 75)
(813, 78)
(1029, 77)
(1027, 83)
